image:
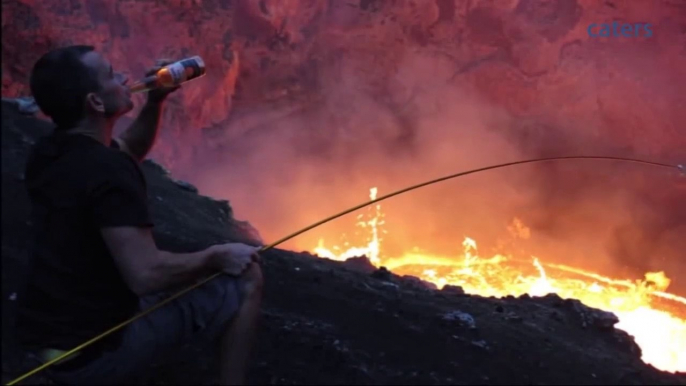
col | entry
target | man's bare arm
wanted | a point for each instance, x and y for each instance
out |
(147, 270)
(138, 138)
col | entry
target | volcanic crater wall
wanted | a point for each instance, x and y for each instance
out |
(532, 57)
(320, 98)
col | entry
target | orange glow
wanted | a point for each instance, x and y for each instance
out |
(644, 308)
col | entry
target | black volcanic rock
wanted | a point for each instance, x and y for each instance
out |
(360, 264)
(325, 325)
(416, 282)
(453, 290)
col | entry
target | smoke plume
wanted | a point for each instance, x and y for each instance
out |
(323, 156)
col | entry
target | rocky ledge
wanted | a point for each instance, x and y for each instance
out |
(346, 323)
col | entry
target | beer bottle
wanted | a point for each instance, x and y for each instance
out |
(171, 75)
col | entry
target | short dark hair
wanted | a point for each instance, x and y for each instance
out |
(60, 82)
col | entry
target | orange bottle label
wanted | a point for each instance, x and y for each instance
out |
(172, 75)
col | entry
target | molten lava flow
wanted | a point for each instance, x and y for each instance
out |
(371, 250)
(643, 307)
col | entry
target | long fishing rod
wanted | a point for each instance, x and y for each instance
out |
(680, 168)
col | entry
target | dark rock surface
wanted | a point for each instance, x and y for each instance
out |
(327, 325)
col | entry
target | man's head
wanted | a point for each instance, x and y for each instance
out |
(76, 82)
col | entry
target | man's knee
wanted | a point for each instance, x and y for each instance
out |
(252, 282)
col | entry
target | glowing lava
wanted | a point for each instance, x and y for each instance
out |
(643, 307)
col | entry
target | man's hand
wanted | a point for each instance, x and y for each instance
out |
(233, 258)
(138, 139)
(159, 95)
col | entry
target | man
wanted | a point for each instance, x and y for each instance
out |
(95, 262)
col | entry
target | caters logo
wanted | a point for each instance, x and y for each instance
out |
(617, 29)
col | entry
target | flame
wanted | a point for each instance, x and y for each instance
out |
(642, 306)
(373, 247)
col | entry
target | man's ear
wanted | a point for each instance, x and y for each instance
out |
(95, 102)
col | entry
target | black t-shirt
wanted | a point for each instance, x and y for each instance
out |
(74, 289)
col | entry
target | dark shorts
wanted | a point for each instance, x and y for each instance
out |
(197, 318)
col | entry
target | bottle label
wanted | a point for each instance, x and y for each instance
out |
(194, 67)
(177, 72)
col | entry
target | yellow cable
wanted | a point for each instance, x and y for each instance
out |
(295, 234)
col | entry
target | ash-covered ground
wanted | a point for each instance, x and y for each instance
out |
(327, 322)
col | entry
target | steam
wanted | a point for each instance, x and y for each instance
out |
(402, 92)
(325, 158)
(322, 156)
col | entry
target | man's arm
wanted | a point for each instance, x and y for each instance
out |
(148, 270)
(138, 138)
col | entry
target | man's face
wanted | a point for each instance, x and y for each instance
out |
(114, 98)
